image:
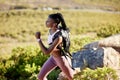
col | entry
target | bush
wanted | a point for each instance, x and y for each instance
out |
(54, 74)
(78, 43)
(98, 74)
(24, 63)
(107, 31)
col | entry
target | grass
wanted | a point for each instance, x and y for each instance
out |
(103, 4)
(113, 5)
(19, 26)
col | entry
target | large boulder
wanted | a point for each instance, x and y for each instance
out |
(93, 58)
(112, 41)
(103, 53)
(88, 58)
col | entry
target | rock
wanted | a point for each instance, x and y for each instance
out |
(92, 45)
(88, 58)
(111, 58)
(112, 41)
(101, 57)
(103, 53)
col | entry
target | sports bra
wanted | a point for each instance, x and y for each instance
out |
(50, 37)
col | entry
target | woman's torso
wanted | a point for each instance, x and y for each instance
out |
(56, 52)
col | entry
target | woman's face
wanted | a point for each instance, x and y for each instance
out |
(50, 22)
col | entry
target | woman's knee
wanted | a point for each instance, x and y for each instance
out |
(63, 76)
(70, 77)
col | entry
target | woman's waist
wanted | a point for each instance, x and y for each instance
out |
(56, 53)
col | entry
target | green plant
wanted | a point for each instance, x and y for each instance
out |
(23, 63)
(97, 74)
(107, 31)
(54, 74)
(78, 43)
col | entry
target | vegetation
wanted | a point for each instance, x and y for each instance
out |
(108, 5)
(103, 4)
(25, 63)
(98, 74)
(19, 26)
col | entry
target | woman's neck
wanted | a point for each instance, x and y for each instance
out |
(52, 30)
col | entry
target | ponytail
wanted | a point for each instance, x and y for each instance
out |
(63, 24)
(58, 18)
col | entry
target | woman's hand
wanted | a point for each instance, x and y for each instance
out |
(38, 35)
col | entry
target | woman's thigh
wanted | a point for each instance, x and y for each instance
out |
(64, 65)
(48, 66)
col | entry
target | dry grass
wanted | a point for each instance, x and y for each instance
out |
(17, 28)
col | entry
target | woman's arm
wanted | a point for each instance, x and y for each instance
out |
(52, 47)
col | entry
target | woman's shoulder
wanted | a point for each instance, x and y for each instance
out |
(57, 35)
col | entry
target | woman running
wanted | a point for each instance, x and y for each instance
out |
(56, 58)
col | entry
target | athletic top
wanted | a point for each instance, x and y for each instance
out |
(50, 37)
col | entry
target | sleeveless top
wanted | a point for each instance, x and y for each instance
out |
(50, 37)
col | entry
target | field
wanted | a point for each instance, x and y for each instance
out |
(19, 26)
(19, 51)
(102, 4)
(109, 5)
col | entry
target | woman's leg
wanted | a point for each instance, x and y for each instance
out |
(48, 66)
(64, 65)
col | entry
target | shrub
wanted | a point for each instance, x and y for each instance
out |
(78, 43)
(23, 63)
(107, 31)
(54, 74)
(98, 74)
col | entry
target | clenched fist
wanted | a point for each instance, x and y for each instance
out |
(38, 35)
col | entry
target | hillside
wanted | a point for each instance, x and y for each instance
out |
(111, 5)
